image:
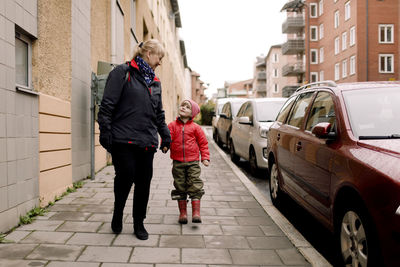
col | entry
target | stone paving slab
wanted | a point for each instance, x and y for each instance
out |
(236, 229)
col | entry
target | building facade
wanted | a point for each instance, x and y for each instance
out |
(243, 89)
(198, 88)
(277, 78)
(50, 50)
(353, 40)
(260, 77)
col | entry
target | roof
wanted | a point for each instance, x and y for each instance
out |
(351, 86)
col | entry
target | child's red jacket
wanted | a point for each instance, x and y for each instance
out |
(187, 141)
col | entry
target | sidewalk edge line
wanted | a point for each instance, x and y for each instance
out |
(297, 239)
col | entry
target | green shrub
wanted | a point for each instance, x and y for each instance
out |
(206, 111)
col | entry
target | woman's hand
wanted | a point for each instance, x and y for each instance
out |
(206, 162)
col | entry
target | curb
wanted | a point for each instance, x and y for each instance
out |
(304, 247)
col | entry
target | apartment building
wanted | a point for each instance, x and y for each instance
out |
(278, 69)
(243, 89)
(294, 49)
(198, 88)
(49, 50)
(260, 77)
(352, 40)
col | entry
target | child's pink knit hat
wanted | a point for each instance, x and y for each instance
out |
(195, 108)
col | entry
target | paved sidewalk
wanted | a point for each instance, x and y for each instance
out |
(240, 227)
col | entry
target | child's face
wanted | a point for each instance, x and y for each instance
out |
(185, 110)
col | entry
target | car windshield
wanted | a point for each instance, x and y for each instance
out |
(235, 108)
(267, 111)
(374, 113)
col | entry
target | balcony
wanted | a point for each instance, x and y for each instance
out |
(262, 75)
(293, 47)
(293, 25)
(261, 88)
(293, 69)
(289, 90)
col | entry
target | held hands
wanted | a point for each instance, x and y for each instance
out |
(206, 162)
(164, 149)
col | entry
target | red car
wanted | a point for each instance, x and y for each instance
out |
(335, 149)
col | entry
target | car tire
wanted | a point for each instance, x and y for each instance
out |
(215, 134)
(356, 236)
(253, 162)
(274, 187)
(234, 157)
(218, 139)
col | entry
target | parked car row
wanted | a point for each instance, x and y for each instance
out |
(335, 149)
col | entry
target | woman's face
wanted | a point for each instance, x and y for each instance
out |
(153, 59)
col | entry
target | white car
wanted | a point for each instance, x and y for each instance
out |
(219, 103)
(250, 128)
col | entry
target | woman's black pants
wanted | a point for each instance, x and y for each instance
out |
(133, 165)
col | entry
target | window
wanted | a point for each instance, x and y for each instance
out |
(285, 110)
(337, 41)
(337, 69)
(344, 41)
(275, 73)
(336, 19)
(296, 117)
(313, 10)
(347, 11)
(322, 110)
(321, 31)
(352, 35)
(386, 33)
(314, 56)
(313, 33)
(275, 58)
(321, 75)
(276, 89)
(352, 65)
(344, 68)
(321, 55)
(386, 63)
(321, 7)
(23, 61)
(314, 77)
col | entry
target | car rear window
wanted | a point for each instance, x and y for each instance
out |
(267, 111)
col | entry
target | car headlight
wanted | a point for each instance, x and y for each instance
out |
(263, 132)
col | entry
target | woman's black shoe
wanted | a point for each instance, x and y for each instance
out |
(140, 231)
(116, 223)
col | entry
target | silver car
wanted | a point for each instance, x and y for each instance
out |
(219, 103)
(250, 128)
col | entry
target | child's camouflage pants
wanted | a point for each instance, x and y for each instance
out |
(187, 180)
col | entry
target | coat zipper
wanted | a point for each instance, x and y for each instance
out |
(183, 142)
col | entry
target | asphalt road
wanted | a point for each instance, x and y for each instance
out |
(315, 233)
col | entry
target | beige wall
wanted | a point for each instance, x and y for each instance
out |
(51, 62)
(54, 147)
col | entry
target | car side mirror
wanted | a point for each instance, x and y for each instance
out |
(213, 113)
(323, 130)
(223, 115)
(245, 120)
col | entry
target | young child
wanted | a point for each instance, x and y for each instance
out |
(187, 141)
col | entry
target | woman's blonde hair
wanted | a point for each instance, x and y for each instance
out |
(152, 45)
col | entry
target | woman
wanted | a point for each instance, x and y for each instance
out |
(130, 117)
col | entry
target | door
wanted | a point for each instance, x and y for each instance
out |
(313, 156)
(245, 131)
(289, 134)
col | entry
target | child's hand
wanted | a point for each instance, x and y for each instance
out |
(206, 162)
(164, 149)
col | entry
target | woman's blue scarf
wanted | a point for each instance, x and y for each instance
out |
(145, 70)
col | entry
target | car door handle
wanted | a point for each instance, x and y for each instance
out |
(278, 137)
(298, 146)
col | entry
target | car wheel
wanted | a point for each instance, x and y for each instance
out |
(253, 162)
(358, 243)
(218, 139)
(234, 157)
(274, 188)
(215, 135)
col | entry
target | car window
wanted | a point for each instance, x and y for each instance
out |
(225, 108)
(228, 110)
(322, 110)
(267, 110)
(296, 116)
(249, 111)
(242, 110)
(285, 109)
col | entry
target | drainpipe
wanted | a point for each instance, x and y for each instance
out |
(367, 43)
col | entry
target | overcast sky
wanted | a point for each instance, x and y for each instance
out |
(224, 37)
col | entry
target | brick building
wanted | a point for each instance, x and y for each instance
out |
(352, 40)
